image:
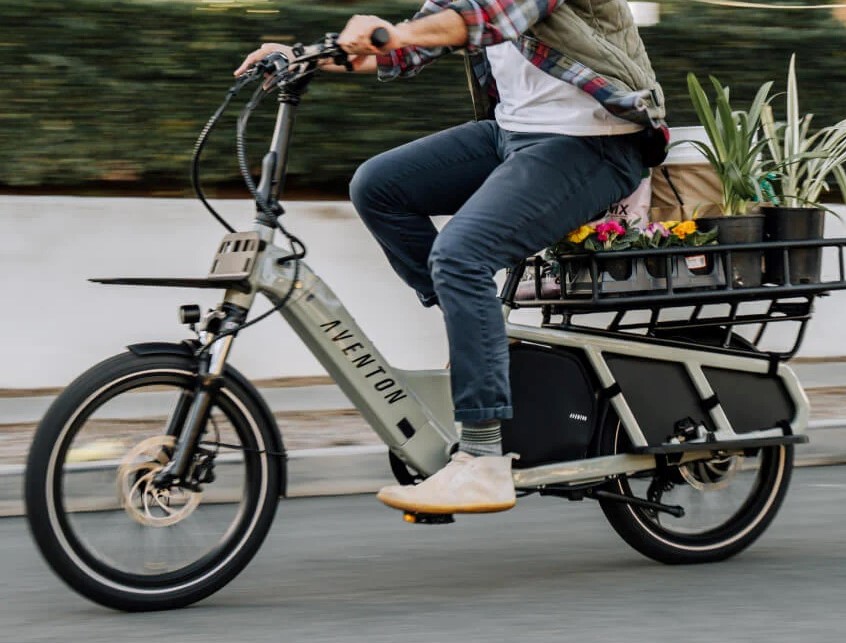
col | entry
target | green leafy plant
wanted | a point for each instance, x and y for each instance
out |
(803, 161)
(734, 150)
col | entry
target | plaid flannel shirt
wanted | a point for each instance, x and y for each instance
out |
(490, 22)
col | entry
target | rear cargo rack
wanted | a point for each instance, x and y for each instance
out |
(574, 285)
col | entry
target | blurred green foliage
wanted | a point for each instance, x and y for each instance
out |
(99, 94)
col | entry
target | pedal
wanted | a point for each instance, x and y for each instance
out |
(428, 519)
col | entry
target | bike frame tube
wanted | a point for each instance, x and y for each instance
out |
(411, 411)
(411, 422)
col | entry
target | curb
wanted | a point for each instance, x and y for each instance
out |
(365, 469)
(311, 472)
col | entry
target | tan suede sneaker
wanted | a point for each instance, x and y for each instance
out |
(466, 485)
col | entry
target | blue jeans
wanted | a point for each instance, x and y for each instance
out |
(511, 194)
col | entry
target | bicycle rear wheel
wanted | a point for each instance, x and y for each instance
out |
(729, 501)
(95, 513)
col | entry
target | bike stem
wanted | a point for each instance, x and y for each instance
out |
(275, 161)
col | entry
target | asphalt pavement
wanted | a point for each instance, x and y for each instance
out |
(348, 569)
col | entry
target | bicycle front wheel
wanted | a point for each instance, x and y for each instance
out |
(99, 520)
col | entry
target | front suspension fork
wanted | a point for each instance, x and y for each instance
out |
(189, 419)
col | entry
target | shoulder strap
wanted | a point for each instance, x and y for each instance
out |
(475, 89)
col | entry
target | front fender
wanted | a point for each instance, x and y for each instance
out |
(187, 348)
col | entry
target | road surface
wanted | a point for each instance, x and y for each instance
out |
(347, 569)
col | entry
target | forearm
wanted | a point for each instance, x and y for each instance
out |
(451, 24)
(443, 29)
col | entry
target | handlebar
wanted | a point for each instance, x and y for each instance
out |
(290, 76)
(380, 37)
(277, 64)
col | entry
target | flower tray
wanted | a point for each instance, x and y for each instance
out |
(620, 276)
(641, 274)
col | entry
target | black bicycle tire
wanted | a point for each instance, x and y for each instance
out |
(45, 526)
(742, 530)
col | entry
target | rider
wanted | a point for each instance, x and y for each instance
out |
(574, 116)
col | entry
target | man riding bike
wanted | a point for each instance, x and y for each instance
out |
(569, 114)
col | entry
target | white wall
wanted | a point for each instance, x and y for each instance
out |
(54, 324)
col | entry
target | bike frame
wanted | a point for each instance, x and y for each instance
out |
(411, 410)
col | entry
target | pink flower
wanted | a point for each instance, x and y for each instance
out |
(652, 228)
(605, 230)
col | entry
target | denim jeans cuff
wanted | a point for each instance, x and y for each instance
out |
(478, 415)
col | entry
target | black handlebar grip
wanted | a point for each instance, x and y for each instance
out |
(380, 37)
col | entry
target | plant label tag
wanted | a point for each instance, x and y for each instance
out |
(696, 261)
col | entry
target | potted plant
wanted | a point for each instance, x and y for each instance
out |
(670, 234)
(802, 163)
(734, 151)
(608, 235)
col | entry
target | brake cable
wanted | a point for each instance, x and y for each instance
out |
(298, 249)
(201, 143)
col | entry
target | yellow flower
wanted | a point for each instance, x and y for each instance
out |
(684, 228)
(670, 224)
(580, 234)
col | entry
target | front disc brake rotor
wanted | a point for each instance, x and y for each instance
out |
(141, 499)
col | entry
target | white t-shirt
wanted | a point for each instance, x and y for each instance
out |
(530, 100)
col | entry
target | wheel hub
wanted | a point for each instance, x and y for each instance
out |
(145, 503)
(711, 475)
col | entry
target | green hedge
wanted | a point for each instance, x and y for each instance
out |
(100, 95)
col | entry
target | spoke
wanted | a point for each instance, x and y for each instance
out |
(164, 507)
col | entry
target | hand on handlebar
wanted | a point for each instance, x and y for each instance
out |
(365, 63)
(261, 53)
(356, 38)
(362, 38)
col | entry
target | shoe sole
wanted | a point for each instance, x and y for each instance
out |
(446, 509)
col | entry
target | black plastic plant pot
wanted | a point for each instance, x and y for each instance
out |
(698, 264)
(657, 266)
(793, 224)
(618, 269)
(746, 265)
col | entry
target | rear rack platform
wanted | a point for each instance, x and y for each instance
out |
(721, 445)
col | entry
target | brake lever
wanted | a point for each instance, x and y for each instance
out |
(273, 64)
(330, 41)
